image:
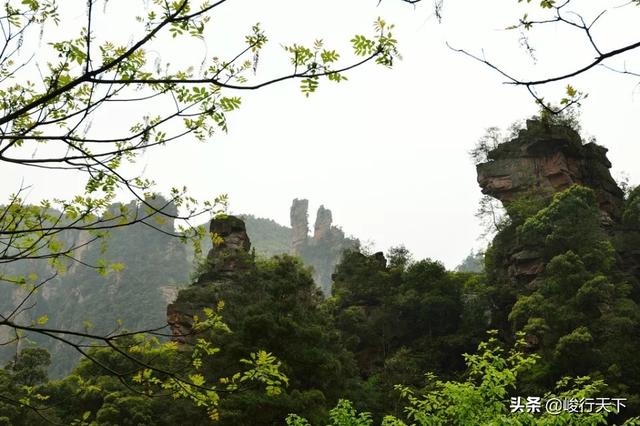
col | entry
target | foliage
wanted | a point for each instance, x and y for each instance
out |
(474, 262)
(153, 265)
(492, 216)
(563, 14)
(581, 306)
(343, 414)
(133, 380)
(631, 213)
(29, 367)
(486, 397)
(404, 317)
(386, 322)
(567, 115)
(276, 304)
(268, 237)
(487, 143)
(323, 252)
(629, 238)
(570, 222)
(22, 379)
(89, 75)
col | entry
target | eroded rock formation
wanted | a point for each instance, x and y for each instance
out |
(322, 227)
(299, 224)
(552, 158)
(153, 265)
(323, 250)
(228, 254)
(544, 159)
(228, 258)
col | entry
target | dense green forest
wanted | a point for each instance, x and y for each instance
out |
(552, 313)
(154, 266)
(171, 309)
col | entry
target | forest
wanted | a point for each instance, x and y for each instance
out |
(166, 309)
(397, 340)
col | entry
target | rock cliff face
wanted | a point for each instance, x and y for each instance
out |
(552, 158)
(228, 258)
(546, 159)
(322, 227)
(323, 250)
(231, 257)
(155, 265)
(299, 224)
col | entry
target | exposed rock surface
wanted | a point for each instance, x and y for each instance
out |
(180, 318)
(550, 157)
(323, 250)
(228, 257)
(322, 227)
(79, 297)
(225, 257)
(526, 264)
(228, 260)
(299, 224)
(182, 314)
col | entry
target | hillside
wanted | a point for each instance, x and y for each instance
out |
(553, 311)
(156, 267)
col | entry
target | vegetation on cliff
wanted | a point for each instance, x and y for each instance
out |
(559, 284)
(253, 339)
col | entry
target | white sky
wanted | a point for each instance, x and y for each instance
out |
(386, 151)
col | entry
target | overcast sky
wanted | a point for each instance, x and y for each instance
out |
(386, 151)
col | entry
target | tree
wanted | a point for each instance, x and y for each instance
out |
(276, 304)
(20, 380)
(559, 13)
(48, 111)
(583, 309)
(30, 366)
(548, 13)
(489, 395)
(404, 318)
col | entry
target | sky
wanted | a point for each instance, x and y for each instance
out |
(386, 151)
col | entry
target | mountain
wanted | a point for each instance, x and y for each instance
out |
(323, 250)
(155, 267)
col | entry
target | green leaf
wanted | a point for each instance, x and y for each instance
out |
(229, 104)
(117, 267)
(33, 4)
(309, 85)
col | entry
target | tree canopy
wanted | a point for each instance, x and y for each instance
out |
(55, 115)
